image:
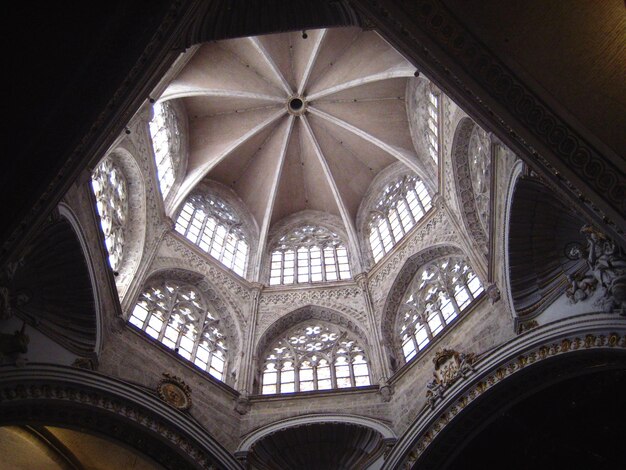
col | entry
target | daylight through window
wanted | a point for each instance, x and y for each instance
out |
(165, 134)
(109, 187)
(439, 292)
(212, 225)
(309, 254)
(176, 315)
(402, 204)
(315, 356)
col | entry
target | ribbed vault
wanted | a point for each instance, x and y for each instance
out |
(319, 446)
(540, 228)
(294, 123)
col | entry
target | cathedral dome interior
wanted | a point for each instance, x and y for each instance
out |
(317, 240)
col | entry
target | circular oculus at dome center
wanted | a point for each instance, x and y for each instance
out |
(296, 105)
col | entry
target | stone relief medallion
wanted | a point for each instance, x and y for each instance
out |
(450, 366)
(173, 391)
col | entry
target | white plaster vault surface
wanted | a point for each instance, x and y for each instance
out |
(280, 161)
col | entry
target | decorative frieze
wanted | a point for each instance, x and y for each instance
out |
(451, 367)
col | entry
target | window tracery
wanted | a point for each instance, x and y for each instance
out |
(210, 223)
(176, 315)
(439, 292)
(432, 131)
(402, 204)
(165, 133)
(309, 254)
(110, 188)
(479, 163)
(314, 356)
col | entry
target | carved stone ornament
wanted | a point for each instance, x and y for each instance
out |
(450, 366)
(175, 392)
(494, 293)
(606, 268)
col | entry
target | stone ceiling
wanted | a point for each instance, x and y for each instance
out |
(295, 121)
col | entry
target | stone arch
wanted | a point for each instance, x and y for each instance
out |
(388, 175)
(304, 314)
(309, 217)
(228, 321)
(381, 435)
(68, 214)
(537, 262)
(526, 363)
(82, 399)
(463, 182)
(398, 289)
(135, 229)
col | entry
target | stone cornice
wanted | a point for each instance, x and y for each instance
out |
(39, 391)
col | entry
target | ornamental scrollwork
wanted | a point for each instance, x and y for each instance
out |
(450, 366)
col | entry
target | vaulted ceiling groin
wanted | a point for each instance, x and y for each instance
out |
(540, 227)
(51, 289)
(318, 446)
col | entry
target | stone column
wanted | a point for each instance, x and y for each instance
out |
(377, 350)
(246, 374)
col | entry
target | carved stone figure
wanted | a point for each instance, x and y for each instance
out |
(606, 268)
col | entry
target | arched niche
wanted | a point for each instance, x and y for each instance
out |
(51, 288)
(356, 442)
(540, 227)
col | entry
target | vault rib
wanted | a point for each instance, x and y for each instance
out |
(312, 58)
(402, 155)
(178, 91)
(403, 72)
(198, 174)
(345, 215)
(263, 52)
(267, 216)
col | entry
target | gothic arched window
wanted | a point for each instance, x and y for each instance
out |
(309, 254)
(479, 156)
(165, 133)
(402, 204)
(210, 223)
(314, 356)
(439, 292)
(176, 315)
(110, 189)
